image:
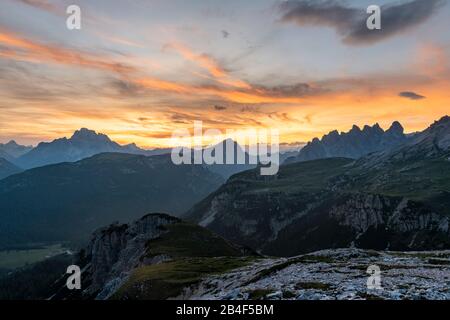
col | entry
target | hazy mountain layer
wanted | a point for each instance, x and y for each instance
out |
(84, 143)
(14, 149)
(7, 168)
(68, 201)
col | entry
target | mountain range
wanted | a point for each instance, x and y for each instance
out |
(85, 143)
(12, 150)
(395, 199)
(82, 144)
(249, 209)
(353, 144)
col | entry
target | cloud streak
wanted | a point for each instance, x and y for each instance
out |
(42, 5)
(208, 63)
(21, 49)
(350, 23)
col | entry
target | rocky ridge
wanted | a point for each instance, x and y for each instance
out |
(353, 144)
(339, 274)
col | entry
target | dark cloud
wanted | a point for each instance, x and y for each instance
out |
(124, 87)
(251, 109)
(219, 108)
(350, 23)
(225, 34)
(411, 95)
(294, 90)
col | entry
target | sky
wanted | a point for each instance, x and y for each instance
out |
(140, 69)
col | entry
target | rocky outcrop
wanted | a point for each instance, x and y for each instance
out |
(116, 250)
(288, 224)
(361, 212)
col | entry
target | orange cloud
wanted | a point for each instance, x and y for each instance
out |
(251, 96)
(27, 50)
(208, 63)
(432, 59)
(41, 4)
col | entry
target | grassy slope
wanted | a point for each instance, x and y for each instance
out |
(12, 259)
(189, 240)
(303, 176)
(196, 253)
(425, 181)
(167, 280)
(311, 176)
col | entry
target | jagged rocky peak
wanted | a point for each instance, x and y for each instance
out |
(87, 134)
(355, 129)
(440, 131)
(12, 143)
(353, 144)
(441, 126)
(396, 128)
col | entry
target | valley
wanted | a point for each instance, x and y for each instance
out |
(17, 258)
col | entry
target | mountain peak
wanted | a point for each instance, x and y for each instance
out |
(85, 134)
(12, 143)
(396, 128)
(443, 121)
(377, 128)
(353, 144)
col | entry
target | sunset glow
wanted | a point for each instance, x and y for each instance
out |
(139, 70)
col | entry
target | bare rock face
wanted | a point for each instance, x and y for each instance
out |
(339, 274)
(398, 222)
(116, 250)
(282, 224)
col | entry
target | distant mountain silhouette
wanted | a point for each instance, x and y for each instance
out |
(353, 144)
(6, 156)
(227, 170)
(84, 143)
(14, 149)
(238, 160)
(68, 201)
(7, 168)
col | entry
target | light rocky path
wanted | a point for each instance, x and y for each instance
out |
(334, 274)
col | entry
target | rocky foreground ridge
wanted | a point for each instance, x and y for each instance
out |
(339, 274)
(160, 257)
